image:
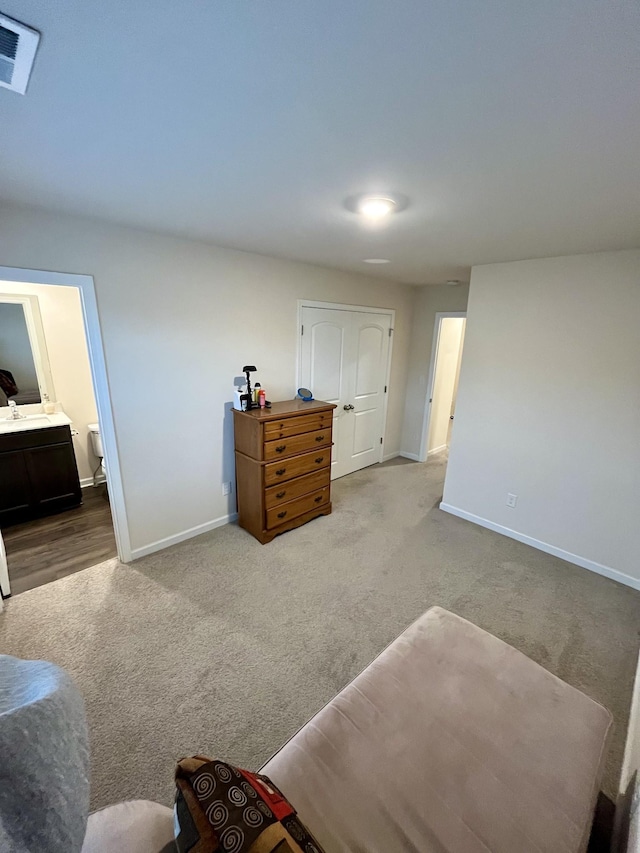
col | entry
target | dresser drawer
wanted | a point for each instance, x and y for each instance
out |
(276, 495)
(294, 426)
(282, 447)
(286, 469)
(280, 514)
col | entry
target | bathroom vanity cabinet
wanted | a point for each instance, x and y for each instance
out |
(38, 474)
(283, 466)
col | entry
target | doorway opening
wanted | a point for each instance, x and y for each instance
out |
(61, 500)
(444, 374)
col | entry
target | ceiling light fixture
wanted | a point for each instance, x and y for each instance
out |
(376, 207)
(376, 261)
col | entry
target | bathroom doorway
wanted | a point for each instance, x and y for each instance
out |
(444, 373)
(69, 513)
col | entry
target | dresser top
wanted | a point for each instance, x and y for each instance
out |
(285, 409)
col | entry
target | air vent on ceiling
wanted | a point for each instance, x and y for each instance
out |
(18, 45)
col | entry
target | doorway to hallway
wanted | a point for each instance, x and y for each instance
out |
(444, 375)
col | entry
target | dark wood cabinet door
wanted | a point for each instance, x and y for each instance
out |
(53, 476)
(15, 498)
(38, 474)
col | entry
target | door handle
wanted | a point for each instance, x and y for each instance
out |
(280, 448)
(319, 438)
(348, 407)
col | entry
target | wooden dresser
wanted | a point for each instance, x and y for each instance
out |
(283, 466)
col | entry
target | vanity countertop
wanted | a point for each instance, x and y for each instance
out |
(31, 422)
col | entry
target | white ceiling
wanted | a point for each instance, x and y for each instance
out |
(513, 127)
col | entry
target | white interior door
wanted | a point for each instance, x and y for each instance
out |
(322, 368)
(344, 356)
(456, 382)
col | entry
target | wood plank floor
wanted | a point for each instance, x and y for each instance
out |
(49, 548)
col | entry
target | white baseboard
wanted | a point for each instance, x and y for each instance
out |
(136, 553)
(592, 566)
(413, 456)
(389, 456)
(436, 449)
(85, 482)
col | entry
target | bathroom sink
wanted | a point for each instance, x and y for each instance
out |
(38, 421)
(28, 422)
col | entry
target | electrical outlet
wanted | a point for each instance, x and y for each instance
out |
(512, 500)
(226, 488)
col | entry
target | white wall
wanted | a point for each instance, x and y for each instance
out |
(61, 314)
(427, 302)
(179, 319)
(15, 347)
(549, 407)
(445, 381)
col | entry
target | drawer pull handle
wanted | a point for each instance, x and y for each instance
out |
(318, 499)
(280, 471)
(280, 448)
(281, 494)
(319, 459)
(282, 514)
(319, 438)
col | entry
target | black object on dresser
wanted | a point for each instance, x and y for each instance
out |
(38, 474)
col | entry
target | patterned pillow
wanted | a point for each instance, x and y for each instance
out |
(226, 809)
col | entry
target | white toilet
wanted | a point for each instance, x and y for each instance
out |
(96, 444)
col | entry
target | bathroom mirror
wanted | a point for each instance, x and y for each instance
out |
(25, 373)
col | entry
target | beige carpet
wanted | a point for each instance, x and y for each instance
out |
(225, 646)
